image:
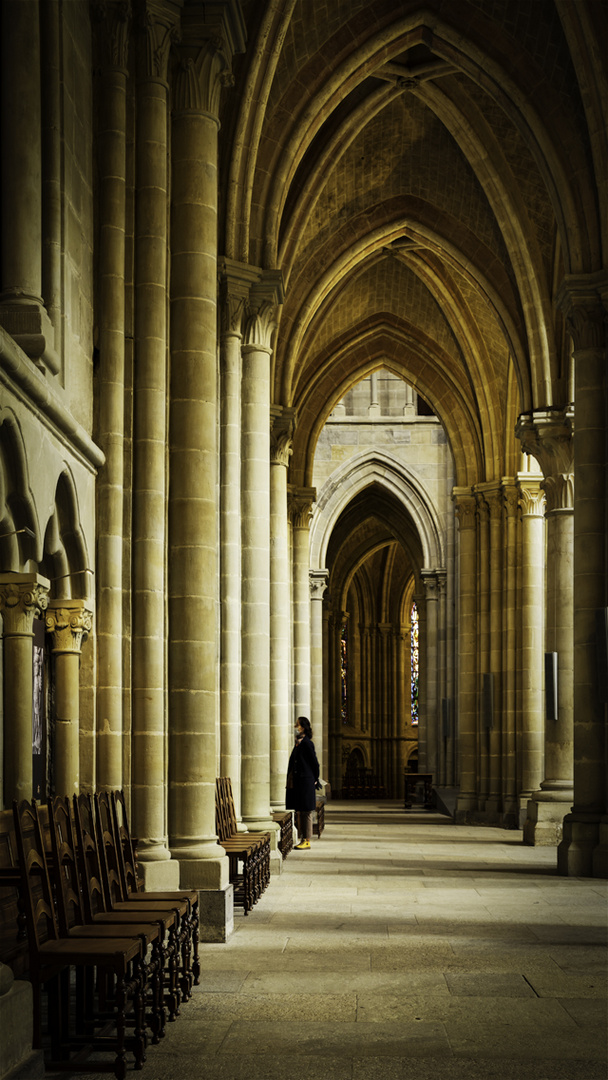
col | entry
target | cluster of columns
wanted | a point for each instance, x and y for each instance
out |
(24, 598)
(494, 756)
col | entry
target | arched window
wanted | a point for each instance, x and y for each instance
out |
(415, 668)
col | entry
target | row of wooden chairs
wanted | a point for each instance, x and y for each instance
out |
(248, 853)
(115, 962)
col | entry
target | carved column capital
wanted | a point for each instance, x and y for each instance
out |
(531, 495)
(465, 506)
(559, 490)
(319, 580)
(432, 581)
(159, 28)
(510, 497)
(300, 503)
(114, 19)
(583, 299)
(547, 434)
(235, 282)
(70, 623)
(22, 598)
(281, 435)
(200, 78)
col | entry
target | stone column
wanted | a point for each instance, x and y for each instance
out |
(22, 598)
(149, 457)
(69, 623)
(467, 653)
(483, 643)
(584, 848)
(22, 312)
(255, 554)
(235, 281)
(532, 502)
(281, 720)
(193, 487)
(411, 401)
(548, 435)
(301, 501)
(429, 577)
(318, 584)
(493, 735)
(510, 806)
(111, 418)
(373, 408)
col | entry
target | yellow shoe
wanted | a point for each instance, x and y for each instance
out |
(303, 845)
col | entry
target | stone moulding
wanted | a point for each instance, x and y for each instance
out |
(22, 378)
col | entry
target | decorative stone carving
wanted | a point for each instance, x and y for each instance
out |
(281, 436)
(300, 502)
(158, 31)
(531, 497)
(199, 80)
(114, 18)
(70, 623)
(22, 598)
(465, 506)
(319, 580)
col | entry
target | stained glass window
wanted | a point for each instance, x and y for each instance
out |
(343, 672)
(415, 673)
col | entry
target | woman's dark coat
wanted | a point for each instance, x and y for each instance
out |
(304, 768)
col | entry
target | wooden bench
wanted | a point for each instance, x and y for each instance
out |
(248, 853)
(284, 818)
(319, 824)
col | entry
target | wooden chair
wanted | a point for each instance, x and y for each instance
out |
(78, 920)
(98, 894)
(52, 956)
(248, 853)
(284, 818)
(121, 883)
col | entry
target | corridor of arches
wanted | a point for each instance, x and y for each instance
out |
(298, 303)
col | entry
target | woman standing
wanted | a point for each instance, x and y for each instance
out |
(302, 779)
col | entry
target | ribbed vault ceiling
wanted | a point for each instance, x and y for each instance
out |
(408, 169)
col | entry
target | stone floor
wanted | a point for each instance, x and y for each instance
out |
(402, 946)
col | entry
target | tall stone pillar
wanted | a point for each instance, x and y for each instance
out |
(111, 397)
(22, 311)
(431, 589)
(301, 501)
(149, 451)
(484, 563)
(255, 554)
(532, 503)
(584, 847)
(69, 623)
(22, 598)
(509, 800)
(193, 511)
(235, 281)
(548, 435)
(491, 727)
(281, 720)
(318, 584)
(467, 635)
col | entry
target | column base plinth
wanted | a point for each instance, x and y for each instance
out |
(204, 873)
(17, 1025)
(159, 876)
(216, 908)
(543, 826)
(580, 838)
